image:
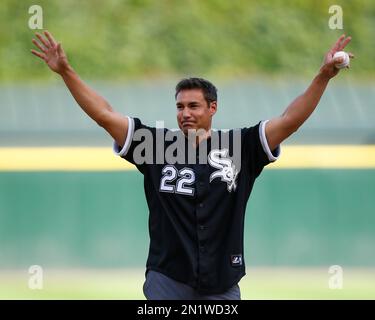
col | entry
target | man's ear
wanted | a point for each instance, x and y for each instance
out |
(213, 107)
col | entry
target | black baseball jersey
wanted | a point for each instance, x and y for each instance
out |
(197, 210)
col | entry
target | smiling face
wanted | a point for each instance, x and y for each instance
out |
(193, 111)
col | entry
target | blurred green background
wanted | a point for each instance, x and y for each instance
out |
(119, 39)
(88, 230)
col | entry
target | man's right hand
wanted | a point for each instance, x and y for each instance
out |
(51, 52)
(96, 107)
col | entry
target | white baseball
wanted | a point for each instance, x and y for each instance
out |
(345, 62)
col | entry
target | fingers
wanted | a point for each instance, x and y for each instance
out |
(38, 54)
(50, 38)
(341, 43)
(42, 40)
(336, 46)
(337, 60)
(59, 49)
(344, 43)
(351, 56)
(39, 45)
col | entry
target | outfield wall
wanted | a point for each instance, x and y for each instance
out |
(99, 219)
(47, 115)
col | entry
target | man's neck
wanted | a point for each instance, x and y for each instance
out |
(202, 136)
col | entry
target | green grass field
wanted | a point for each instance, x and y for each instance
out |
(259, 283)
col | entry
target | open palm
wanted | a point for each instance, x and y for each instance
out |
(51, 52)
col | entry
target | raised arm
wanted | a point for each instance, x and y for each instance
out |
(95, 106)
(280, 128)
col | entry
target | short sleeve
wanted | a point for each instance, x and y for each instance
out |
(257, 152)
(127, 150)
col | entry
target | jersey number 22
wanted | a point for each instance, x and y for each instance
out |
(186, 178)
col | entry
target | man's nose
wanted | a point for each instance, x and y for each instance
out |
(186, 113)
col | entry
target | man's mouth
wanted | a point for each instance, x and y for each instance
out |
(187, 124)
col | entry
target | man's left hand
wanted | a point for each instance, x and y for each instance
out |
(328, 69)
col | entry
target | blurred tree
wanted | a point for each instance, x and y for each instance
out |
(119, 39)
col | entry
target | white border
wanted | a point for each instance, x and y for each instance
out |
(264, 142)
(129, 138)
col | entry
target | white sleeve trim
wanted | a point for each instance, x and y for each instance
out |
(263, 140)
(129, 138)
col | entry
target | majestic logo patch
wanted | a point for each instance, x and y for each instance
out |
(227, 170)
(236, 260)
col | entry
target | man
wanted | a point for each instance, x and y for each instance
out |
(197, 204)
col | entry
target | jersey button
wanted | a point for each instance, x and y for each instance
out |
(201, 183)
(201, 227)
(201, 205)
(202, 249)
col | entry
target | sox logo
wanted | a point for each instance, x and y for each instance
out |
(227, 170)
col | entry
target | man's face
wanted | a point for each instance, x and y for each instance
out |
(193, 111)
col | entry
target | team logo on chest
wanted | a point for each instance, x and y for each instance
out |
(227, 171)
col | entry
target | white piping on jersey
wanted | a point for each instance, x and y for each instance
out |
(264, 142)
(129, 138)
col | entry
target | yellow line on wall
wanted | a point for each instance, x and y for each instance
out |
(326, 156)
(61, 159)
(103, 159)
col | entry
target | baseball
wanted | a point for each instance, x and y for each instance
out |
(346, 59)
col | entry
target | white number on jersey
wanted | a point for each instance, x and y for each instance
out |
(187, 178)
(170, 174)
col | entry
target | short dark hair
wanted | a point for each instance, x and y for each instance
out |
(209, 90)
